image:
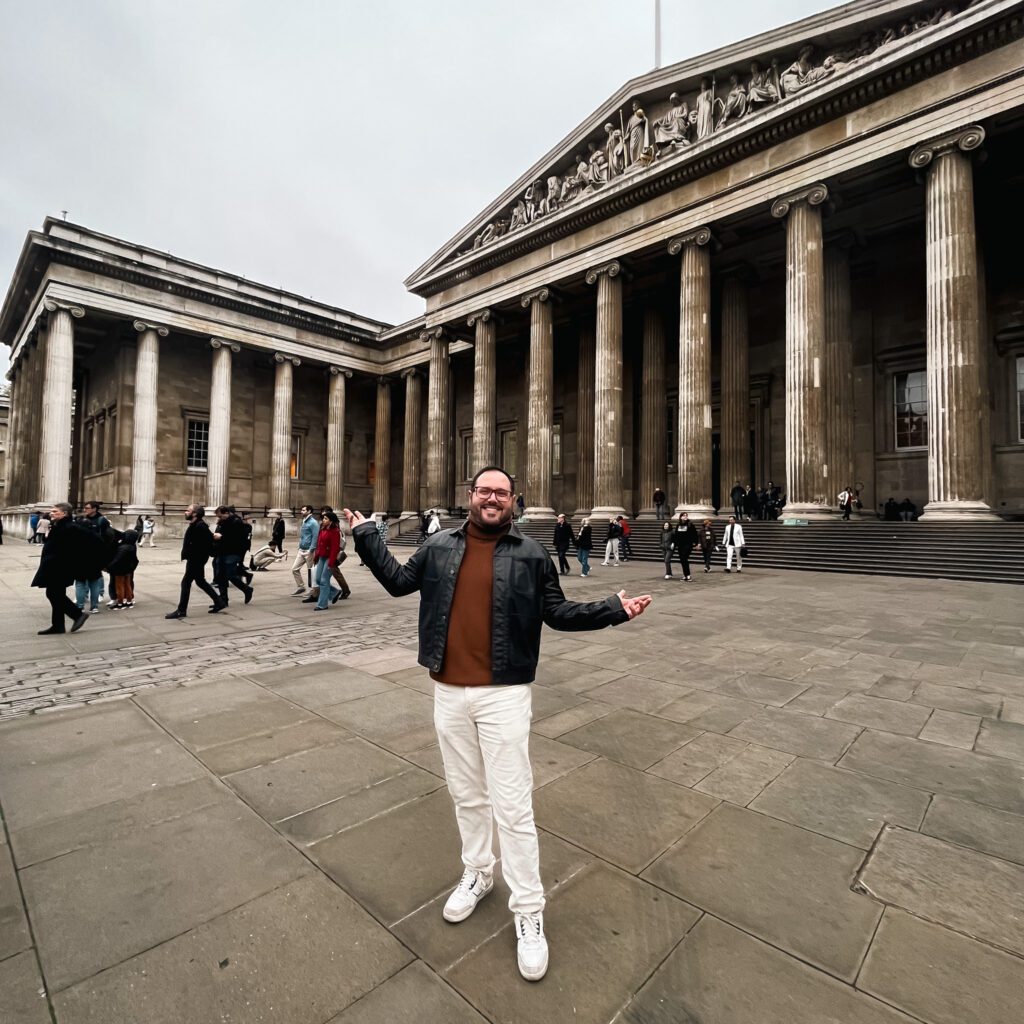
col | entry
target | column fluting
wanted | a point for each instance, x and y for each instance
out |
(281, 435)
(484, 389)
(438, 441)
(653, 467)
(382, 447)
(219, 438)
(335, 469)
(735, 389)
(411, 446)
(838, 371)
(55, 432)
(145, 416)
(585, 422)
(11, 481)
(540, 408)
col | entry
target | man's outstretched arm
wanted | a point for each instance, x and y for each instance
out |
(577, 616)
(397, 579)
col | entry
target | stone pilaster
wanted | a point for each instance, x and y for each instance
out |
(219, 450)
(438, 439)
(144, 417)
(11, 479)
(484, 389)
(653, 469)
(335, 469)
(608, 390)
(281, 435)
(585, 423)
(838, 370)
(411, 444)
(959, 455)
(32, 458)
(55, 433)
(809, 482)
(693, 466)
(540, 408)
(735, 389)
(382, 447)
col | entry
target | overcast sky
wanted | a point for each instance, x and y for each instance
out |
(324, 146)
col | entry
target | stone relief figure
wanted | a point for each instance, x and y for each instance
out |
(598, 164)
(704, 107)
(674, 128)
(638, 138)
(519, 218)
(802, 73)
(553, 189)
(614, 151)
(492, 231)
(735, 103)
(532, 197)
(763, 87)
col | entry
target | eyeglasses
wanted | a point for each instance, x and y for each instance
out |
(491, 492)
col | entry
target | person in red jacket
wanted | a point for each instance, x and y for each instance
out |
(328, 548)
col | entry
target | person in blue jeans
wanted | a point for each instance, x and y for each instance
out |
(584, 544)
(328, 548)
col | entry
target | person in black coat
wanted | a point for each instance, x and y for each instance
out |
(122, 569)
(562, 539)
(684, 540)
(58, 566)
(231, 541)
(196, 547)
(584, 545)
(277, 534)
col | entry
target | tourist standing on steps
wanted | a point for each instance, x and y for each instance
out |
(706, 539)
(485, 592)
(685, 537)
(196, 548)
(63, 547)
(846, 502)
(734, 543)
(659, 503)
(627, 548)
(304, 558)
(563, 538)
(230, 542)
(584, 545)
(611, 544)
(736, 499)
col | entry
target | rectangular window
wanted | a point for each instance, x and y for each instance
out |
(910, 409)
(296, 457)
(556, 449)
(466, 468)
(197, 445)
(1020, 398)
(508, 450)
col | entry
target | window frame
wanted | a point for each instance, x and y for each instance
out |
(190, 419)
(896, 410)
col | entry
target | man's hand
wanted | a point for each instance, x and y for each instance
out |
(634, 606)
(353, 518)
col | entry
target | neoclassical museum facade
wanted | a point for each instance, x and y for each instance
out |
(795, 259)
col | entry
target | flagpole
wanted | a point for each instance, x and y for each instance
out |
(657, 34)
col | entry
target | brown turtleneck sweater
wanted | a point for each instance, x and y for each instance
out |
(467, 657)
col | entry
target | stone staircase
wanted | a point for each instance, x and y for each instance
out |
(982, 552)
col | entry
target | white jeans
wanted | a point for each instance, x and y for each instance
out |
(611, 550)
(303, 558)
(484, 734)
(730, 550)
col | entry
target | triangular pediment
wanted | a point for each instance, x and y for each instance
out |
(676, 115)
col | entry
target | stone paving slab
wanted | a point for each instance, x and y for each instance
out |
(781, 883)
(322, 684)
(981, 828)
(630, 737)
(22, 993)
(296, 955)
(743, 777)
(803, 735)
(14, 934)
(967, 891)
(921, 968)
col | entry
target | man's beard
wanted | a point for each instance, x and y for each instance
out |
(480, 524)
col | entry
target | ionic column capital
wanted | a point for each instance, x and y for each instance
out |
(543, 294)
(232, 346)
(429, 334)
(698, 236)
(412, 371)
(812, 195)
(482, 316)
(612, 269)
(965, 139)
(281, 357)
(52, 305)
(141, 326)
(336, 371)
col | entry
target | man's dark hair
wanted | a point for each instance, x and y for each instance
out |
(92, 504)
(223, 510)
(198, 511)
(231, 509)
(495, 469)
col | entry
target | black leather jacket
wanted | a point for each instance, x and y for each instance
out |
(526, 595)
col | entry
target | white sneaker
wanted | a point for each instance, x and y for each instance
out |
(473, 887)
(531, 947)
(668, 577)
(606, 563)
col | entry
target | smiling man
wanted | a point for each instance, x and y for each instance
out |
(485, 591)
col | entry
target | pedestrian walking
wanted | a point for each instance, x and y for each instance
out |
(584, 545)
(196, 548)
(706, 539)
(89, 578)
(735, 545)
(33, 528)
(435, 523)
(148, 532)
(521, 504)
(122, 570)
(328, 548)
(611, 544)
(93, 519)
(486, 590)
(668, 534)
(659, 503)
(277, 533)
(306, 555)
(846, 502)
(684, 539)
(230, 543)
(749, 503)
(736, 499)
(562, 539)
(63, 547)
(43, 528)
(624, 545)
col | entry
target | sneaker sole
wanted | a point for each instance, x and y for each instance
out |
(453, 919)
(532, 975)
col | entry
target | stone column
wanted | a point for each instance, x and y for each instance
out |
(693, 466)
(585, 423)
(335, 469)
(809, 481)
(608, 390)
(838, 370)
(411, 446)
(281, 435)
(735, 389)
(32, 458)
(959, 457)
(484, 389)
(55, 433)
(540, 411)
(144, 418)
(11, 481)
(438, 441)
(382, 447)
(653, 468)
(219, 443)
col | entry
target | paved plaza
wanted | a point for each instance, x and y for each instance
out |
(780, 798)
